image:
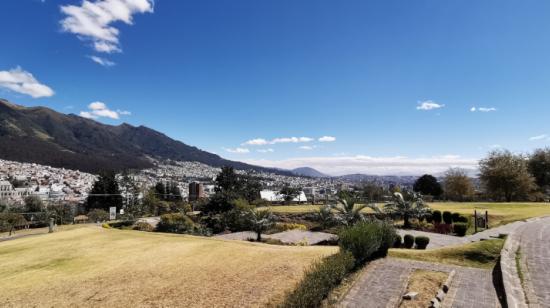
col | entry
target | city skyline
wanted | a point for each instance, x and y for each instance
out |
(335, 87)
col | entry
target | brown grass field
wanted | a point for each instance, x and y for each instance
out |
(91, 266)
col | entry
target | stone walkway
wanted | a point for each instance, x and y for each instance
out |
(442, 240)
(287, 237)
(534, 242)
(384, 281)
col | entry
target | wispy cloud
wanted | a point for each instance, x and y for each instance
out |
(539, 137)
(100, 110)
(92, 20)
(398, 165)
(262, 141)
(102, 61)
(21, 81)
(483, 109)
(265, 150)
(429, 105)
(327, 139)
(237, 150)
(306, 147)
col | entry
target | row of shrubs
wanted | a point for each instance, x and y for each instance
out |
(446, 217)
(409, 241)
(358, 244)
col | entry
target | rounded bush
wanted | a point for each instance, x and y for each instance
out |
(436, 215)
(455, 216)
(367, 240)
(460, 228)
(461, 218)
(408, 241)
(398, 241)
(98, 215)
(421, 242)
(429, 218)
(143, 226)
(447, 217)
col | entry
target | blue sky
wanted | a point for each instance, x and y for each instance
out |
(216, 74)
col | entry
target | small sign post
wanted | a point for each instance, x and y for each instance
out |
(112, 213)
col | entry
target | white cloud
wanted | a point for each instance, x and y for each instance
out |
(261, 141)
(291, 140)
(237, 150)
(102, 61)
(257, 141)
(306, 147)
(483, 109)
(373, 165)
(265, 150)
(21, 81)
(93, 20)
(327, 139)
(428, 105)
(100, 109)
(539, 137)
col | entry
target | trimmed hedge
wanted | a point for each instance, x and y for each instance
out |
(408, 241)
(398, 241)
(367, 240)
(319, 279)
(421, 242)
(436, 216)
(460, 228)
(447, 217)
(461, 219)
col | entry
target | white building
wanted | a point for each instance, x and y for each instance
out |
(275, 196)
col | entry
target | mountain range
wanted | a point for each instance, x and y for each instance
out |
(44, 136)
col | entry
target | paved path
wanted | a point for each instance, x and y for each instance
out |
(442, 240)
(534, 243)
(287, 237)
(384, 281)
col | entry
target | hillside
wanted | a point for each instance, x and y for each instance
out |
(310, 172)
(42, 135)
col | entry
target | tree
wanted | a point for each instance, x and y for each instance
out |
(11, 220)
(412, 208)
(349, 209)
(33, 204)
(505, 176)
(428, 185)
(131, 192)
(150, 203)
(260, 221)
(373, 192)
(231, 186)
(289, 193)
(539, 167)
(105, 193)
(458, 186)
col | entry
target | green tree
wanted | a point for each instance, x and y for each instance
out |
(231, 186)
(150, 203)
(506, 176)
(539, 167)
(33, 204)
(428, 185)
(10, 220)
(412, 208)
(458, 186)
(349, 208)
(373, 192)
(105, 193)
(289, 193)
(260, 221)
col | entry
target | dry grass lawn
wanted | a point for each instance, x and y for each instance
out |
(426, 283)
(91, 266)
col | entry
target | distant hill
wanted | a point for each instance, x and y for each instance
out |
(310, 172)
(42, 135)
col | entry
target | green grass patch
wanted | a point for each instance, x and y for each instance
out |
(482, 254)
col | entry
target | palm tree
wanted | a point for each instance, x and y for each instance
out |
(349, 209)
(414, 208)
(260, 221)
